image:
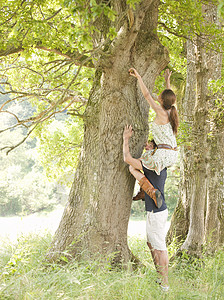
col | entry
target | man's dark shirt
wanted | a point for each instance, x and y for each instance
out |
(158, 181)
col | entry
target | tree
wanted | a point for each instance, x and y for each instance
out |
(200, 207)
(109, 36)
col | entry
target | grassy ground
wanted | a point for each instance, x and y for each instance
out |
(26, 275)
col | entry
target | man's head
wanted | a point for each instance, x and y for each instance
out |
(150, 145)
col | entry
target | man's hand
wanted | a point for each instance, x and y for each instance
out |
(127, 134)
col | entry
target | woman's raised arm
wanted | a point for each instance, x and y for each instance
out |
(145, 91)
(167, 76)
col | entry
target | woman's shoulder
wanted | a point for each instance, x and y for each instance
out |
(161, 123)
(162, 119)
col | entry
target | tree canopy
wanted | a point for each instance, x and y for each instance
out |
(49, 50)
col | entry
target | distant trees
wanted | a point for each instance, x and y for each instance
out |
(24, 187)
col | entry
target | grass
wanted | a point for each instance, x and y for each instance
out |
(26, 275)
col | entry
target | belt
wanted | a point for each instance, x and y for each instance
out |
(168, 147)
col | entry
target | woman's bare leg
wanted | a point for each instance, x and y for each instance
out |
(134, 162)
(136, 173)
(136, 166)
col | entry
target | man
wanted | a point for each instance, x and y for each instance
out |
(150, 145)
(156, 226)
(156, 217)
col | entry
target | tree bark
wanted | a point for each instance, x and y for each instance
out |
(220, 190)
(95, 219)
(215, 198)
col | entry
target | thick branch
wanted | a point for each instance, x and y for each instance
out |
(129, 30)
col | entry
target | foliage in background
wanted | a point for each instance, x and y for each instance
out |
(50, 49)
(59, 147)
(24, 188)
(184, 19)
(216, 112)
(221, 8)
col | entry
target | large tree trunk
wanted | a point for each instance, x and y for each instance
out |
(215, 196)
(197, 212)
(96, 216)
(214, 233)
(195, 236)
(180, 219)
(220, 191)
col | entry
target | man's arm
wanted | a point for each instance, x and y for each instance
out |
(135, 163)
(126, 136)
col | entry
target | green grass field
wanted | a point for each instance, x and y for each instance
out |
(25, 274)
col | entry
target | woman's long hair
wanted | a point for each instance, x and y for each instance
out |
(168, 100)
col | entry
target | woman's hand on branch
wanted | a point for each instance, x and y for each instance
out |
(167, 75)
(133, 72)
(127, 134)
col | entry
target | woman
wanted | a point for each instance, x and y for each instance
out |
(164, 130)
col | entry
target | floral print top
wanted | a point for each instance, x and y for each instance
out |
(161, 158)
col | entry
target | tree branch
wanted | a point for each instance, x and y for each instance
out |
(40, 120)
(75, 56)
(55, 14)
(24, 67)
(18, 144)
(6, 21)
(174, 32)
(8, 112)
(129, 30)
(203, 38)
